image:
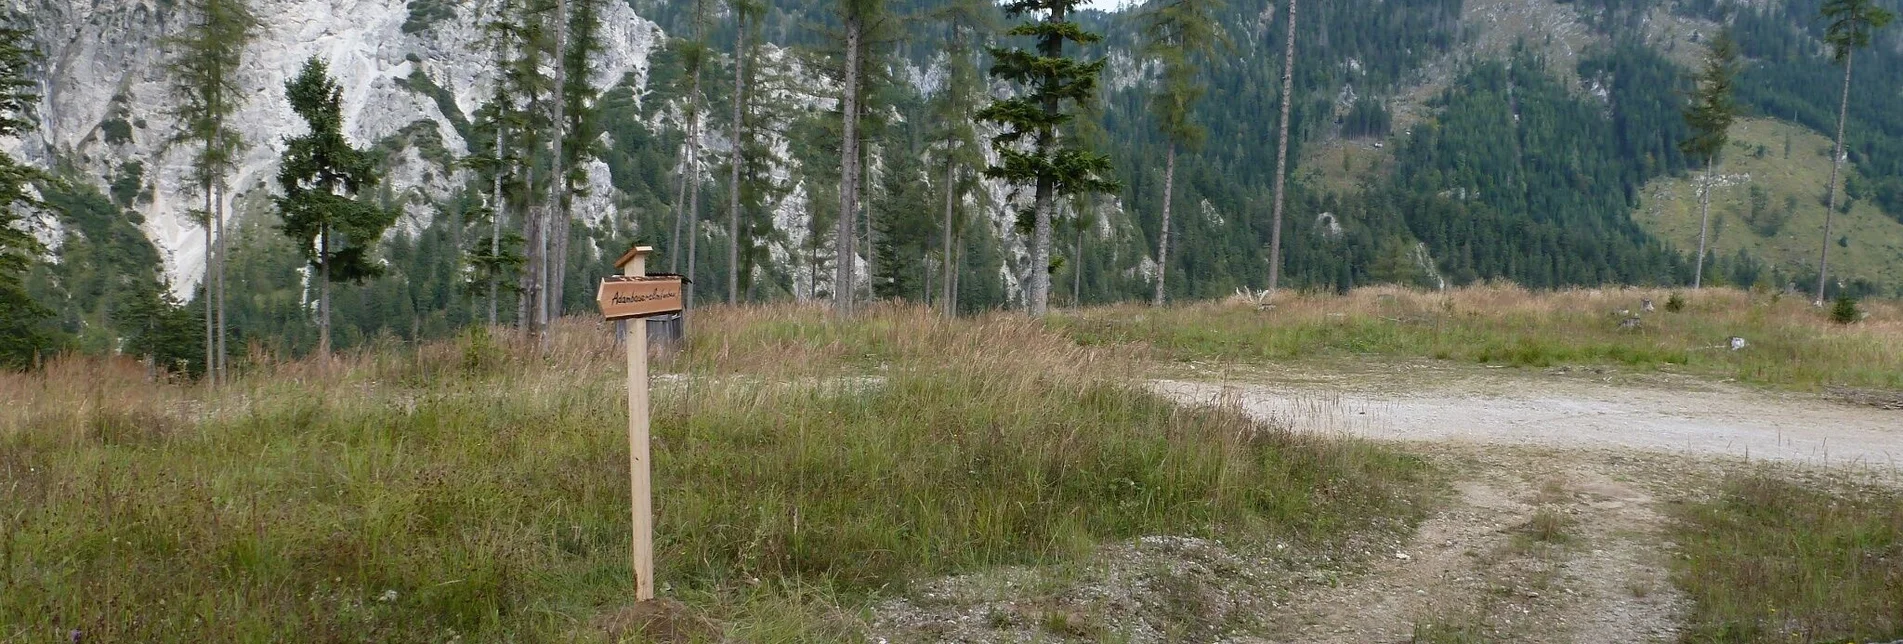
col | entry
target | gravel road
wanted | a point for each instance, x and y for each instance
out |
(1575, 413)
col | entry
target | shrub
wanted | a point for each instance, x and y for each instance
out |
(1845, 311)
(1675, 303)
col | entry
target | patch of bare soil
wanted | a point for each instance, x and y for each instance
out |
(1531, 545)
(1554, 530)
(1878, 398)
(1534, 547)
(660, 620)
(1152, 589)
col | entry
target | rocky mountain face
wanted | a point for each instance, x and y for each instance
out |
(107, 104)
(414, 72)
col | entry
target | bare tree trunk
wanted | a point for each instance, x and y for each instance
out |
(217, 204)
(1281, 154)
(1077, 268)
(865, 220)
(211, 316)
(951, 195)
(1038, 287)
(531, 279)
(693, 235)
(556, 278)
(958, 269)
(1704, 223)
(323, 292)
(733, 196)
(680, 211)
(1836, 162)
(1163, 238)
(688, 223)
(849, 171)
(495, 219)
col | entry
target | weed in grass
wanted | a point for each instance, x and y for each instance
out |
(1070, 623)
(481, 486)
(1452, 629)
(1768, 559)
(1552, 490)
(1549, 526)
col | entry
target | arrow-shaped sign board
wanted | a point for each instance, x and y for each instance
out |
(626, 297)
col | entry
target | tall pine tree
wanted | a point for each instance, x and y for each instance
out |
(965, 23)
(857, 16)
(1851, 24)
(743, 11)
(204, 66)
(1281, 154)
(1052, 168)
(1710, 115)
(1179, 31)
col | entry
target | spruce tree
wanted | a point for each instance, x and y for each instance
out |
(1710, 114)
(965, 22)
(492, 262)
(1178, 32)
(23, 321)
(579, 138)
(554, 232)
(326, 204)
(687, 207)
(1851, 24)
(530, 86)
(1052, 168)
(204, 66)
(856, 15)
(743, 10)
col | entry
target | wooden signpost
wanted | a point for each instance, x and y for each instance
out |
(634, 294)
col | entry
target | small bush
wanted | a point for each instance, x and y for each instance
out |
(1675, 303)
(1845, 312)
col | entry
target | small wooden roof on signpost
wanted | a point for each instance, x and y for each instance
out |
(631, 254)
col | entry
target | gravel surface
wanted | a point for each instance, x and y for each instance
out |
(1720, 420)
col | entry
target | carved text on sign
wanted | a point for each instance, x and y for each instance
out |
(621, 298)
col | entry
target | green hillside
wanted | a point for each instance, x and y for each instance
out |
(1786, 194)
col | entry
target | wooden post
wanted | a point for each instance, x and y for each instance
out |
(630, 298)
(638, 463)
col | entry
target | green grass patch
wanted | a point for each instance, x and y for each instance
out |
(1770, 560)
(475, 489)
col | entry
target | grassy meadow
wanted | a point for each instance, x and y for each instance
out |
(1668, 207)
(476, 488)
(1790, 344)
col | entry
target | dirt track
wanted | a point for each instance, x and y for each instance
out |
(1526, 446)
(1556, 526)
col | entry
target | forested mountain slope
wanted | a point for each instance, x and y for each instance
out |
(1506, 139)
